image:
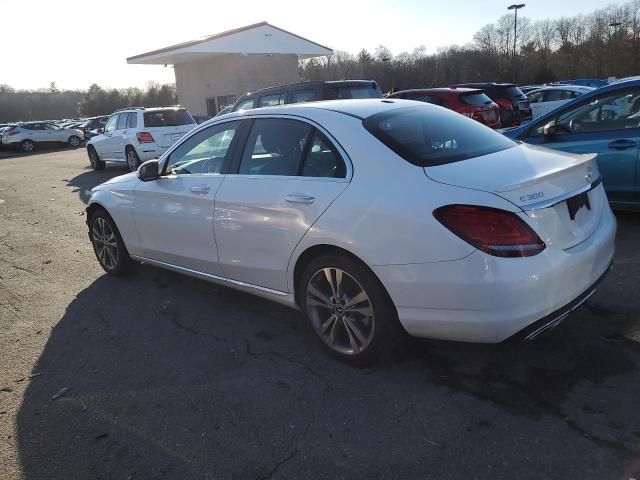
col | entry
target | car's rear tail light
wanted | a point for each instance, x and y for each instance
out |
(144, 137)
(11, 134)
(504, 104)
(496, 232)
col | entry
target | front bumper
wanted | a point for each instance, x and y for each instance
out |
(487, 299)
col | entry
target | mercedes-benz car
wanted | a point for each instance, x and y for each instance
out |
(372, 217)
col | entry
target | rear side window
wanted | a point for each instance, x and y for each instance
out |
(514, 92)
(322, 159)
(429, 137)
(274, 147)
(167, 118)
(303, 96)
(133, 120)
(271, 100)
(365, 91)
(475, 98)
(426, 98)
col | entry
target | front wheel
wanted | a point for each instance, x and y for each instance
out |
(133, 161)
(348, 309)
(94, 159)
(74, 141)
(108, 244)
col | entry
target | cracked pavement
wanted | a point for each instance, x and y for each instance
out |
(171, 377)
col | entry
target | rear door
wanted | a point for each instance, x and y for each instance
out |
(287, 176)
(608, 125)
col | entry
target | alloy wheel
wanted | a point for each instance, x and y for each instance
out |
(105, 244)
(74, 141)
(340, 310)
(132, 160)
(27, 146)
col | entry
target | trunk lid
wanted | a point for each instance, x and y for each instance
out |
(167, 136)
(560, 193)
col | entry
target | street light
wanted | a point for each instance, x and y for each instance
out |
(516, 7)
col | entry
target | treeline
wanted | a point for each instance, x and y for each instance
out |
(53, 104)
(605, 43)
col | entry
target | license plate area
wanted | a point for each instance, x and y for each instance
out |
(577, 202)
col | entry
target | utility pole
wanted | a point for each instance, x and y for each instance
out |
(515, 7)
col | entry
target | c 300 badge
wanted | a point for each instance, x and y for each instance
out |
(589, 175)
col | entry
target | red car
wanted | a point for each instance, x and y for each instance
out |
(470, 102)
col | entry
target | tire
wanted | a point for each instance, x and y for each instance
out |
(108, 245)
(358, 333)
(27, 146)
(94, 159)
(74, 141)
(133, 161)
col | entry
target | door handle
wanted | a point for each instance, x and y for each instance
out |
(306, 199)
(201, 189)
(622, 144)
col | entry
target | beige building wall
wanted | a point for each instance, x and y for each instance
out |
(231, 74)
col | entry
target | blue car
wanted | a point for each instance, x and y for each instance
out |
(605, 121)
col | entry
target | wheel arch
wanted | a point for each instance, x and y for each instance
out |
(315, 251)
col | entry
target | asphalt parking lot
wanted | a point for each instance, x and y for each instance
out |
(162, 376)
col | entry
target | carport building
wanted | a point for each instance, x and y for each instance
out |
(214, 71)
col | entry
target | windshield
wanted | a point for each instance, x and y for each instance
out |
(167, 118)
(428, 136)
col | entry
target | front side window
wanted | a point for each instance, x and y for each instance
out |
(429, 137)
(122, 121)
(274, 147)
(609, 111)
(111, 123)
(245, 105)
(272, 100)
(322, 159)
(203, 152)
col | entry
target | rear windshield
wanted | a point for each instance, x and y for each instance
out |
(428, 136)
(364, 91)
(514, 92)
(167, 118)
(475, 98)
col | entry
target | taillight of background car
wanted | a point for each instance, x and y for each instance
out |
(496, 232)
(144, 137)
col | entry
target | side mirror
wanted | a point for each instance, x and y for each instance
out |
(100, 130)
(550, 129)
(148, 170)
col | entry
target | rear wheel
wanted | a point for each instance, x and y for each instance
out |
(27, 146)
(133, 161)
(74, 141)
(108, 245)
(348, 309)
(94, 159)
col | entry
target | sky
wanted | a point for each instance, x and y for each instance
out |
(75, 47)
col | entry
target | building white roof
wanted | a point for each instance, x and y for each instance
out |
(259, 38)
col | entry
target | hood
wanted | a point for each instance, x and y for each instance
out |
(127, 177)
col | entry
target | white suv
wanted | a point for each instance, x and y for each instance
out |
(135, 135)
(28, 134)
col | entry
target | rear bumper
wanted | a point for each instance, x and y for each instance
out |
(487, 299)
(147, 151)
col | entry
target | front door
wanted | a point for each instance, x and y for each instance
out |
(104, 144)
(287, 176)
(174, 214)
(608, 125)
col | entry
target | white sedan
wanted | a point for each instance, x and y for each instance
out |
(545, 99)
(370, 216)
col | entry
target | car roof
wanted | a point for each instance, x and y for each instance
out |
(359, 108)
(440, 90)
(483, 84)
(573, 88)
(311, 83)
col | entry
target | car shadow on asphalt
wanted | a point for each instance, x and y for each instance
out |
(159, 374)
(84, 182)
(7, 153)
